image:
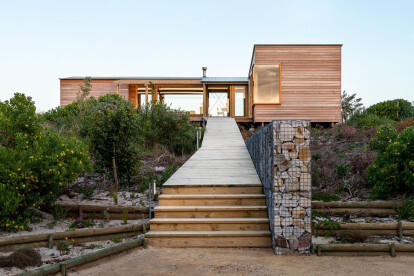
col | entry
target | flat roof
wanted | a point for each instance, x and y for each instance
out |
(224, 79)
(131, 78)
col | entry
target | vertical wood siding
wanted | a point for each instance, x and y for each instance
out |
(310, 82)
(69, 89)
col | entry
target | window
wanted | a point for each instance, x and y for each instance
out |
(239, 101)
(142, 98)
(193, 104)
(266, 84)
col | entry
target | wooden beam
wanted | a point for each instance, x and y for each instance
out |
(146, 93)
(205, 99)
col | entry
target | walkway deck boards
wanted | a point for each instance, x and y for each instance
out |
(222, 159)
(214, 197)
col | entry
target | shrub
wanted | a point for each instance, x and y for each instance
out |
(35, 163)
(325, 197)
(406, 209)
(393, 171)
(81, 222)
(114, 131)
(168, 127)
(342, 169)
(372, 120)
(397, 110)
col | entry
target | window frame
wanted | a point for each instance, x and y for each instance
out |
(280, 84)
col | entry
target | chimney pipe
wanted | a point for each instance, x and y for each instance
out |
(204, 72)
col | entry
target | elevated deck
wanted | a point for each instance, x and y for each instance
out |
(215, 199)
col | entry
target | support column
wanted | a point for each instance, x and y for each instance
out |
(205, 99)
(146, 93)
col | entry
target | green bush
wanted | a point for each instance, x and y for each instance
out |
(114, 130)
(35, 163)
(168, 127)
(371, 120)
(397, 110)
(393, 171)
(342, 169)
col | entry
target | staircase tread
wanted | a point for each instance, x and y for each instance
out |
(208, 208)
(186, 196)
(208, 233)
(209, 220)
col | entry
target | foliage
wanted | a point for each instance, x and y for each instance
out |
(84, 89)
(368, 121)
(405, 210)
(87, 191)
(22, 258)
(325, 219)
(35, 163)
(326, 197)
(168, 127)
(397, 110)
(63, 247)
(60, 212)
(113, 128)
(81, 222)
(342, 169)
(354, 236)
(124, 216)
(350, 104)
(393, 171)
(116, 239)
(160, 180)
(51, 224)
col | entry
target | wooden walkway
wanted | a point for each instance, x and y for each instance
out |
(215, 198)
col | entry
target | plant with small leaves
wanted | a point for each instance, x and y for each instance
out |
(124, 216)
(116, 239)
(63, 247)
(60, 212)
(87, 191)
(51, 224)
(405, 210)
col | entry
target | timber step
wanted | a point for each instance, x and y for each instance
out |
(209, 238)
(209, 224)
(212, 200)
(210, 212)
(213, 189)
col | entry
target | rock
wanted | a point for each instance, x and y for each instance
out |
(292, 184)
(306, 133)
(298, 141)
(284, 211)
(305, 202)
(279, 182)
(279, 159)
(298, 212)
(299, 132)
(284, 166)
(278, 145)
(298, 222)
(288, 146)
(287, 231)
(296, 123)
(309, 212)
(308, 227)
(294, 172)
(287, 221)
(305, 181)
(281, 242)
(287, 196)
(286, 132)
(305, 242)
(293, 243)
(297, 231)
(277, 221)
(278, 199)
(278, 230)
(290, 202)
(295, 163)
(307, 219)
(284, 175)
(304, 153)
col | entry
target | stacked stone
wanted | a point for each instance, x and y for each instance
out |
(292, 186)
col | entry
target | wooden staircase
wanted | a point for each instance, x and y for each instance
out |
(215, 199)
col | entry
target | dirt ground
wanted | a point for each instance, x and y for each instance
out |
(236, 261)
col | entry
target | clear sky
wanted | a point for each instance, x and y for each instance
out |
(41, 41)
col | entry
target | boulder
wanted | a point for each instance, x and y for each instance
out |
(304, 153)
(286, 132)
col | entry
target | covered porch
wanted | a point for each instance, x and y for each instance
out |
(200, 97)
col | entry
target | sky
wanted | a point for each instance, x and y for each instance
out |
(42, 41)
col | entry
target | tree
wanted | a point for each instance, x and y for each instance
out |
(350, 104)
(84, 89)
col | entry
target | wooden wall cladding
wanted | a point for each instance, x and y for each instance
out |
(310, 82)
(69, 89)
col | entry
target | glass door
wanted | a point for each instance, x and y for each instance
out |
(218, 104)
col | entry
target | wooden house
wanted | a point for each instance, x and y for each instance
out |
(289, 81)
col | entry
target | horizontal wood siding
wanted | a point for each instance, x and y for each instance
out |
(310, 82)
(69, 89)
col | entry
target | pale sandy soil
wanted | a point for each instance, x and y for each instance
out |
(235, 261)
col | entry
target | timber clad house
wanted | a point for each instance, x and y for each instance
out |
(284, 82)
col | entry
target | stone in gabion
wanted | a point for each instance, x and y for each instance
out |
(299, 212)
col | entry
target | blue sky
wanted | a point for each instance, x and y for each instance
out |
(41, 41)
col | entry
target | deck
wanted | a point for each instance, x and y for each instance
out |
(215, 198)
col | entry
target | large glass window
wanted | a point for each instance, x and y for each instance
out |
(239, 101)
(142, 98)
(266, 81)
(186, 102)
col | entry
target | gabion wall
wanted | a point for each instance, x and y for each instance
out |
(281, 154)
(292, 186)
(260, 147)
